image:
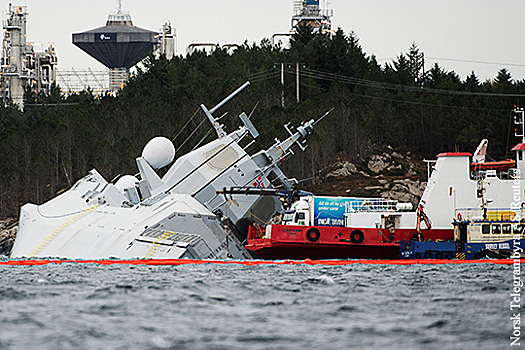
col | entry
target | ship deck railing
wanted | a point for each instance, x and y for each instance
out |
(492, 214)
(510, 174)
(374, 205)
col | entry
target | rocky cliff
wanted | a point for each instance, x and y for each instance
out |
(386, 173)
(8, 230)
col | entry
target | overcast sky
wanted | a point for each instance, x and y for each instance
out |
(485, 31)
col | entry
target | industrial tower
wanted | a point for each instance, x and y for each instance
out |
(24, 64)
(310, 12)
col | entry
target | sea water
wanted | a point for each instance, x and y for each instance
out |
(213, 306)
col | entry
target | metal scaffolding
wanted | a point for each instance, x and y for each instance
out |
(77, 80)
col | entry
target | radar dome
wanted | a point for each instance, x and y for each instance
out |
(159, 152)
(126, 181)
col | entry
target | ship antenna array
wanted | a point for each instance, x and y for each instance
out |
(209, 113)
(305, 129)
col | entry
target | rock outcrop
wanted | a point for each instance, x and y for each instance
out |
(378, 163)
(343, 168)
(387, 174)
(405, 190)
(391, 162)
(8, 229)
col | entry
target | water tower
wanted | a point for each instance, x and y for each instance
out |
(119, 45)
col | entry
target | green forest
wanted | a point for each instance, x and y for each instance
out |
(57, 139)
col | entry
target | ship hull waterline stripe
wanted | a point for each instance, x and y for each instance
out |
(34, 262)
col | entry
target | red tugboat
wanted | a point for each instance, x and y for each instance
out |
(318, 242)
(321, 228)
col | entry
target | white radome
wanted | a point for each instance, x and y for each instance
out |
(126, 181)
(159, 152)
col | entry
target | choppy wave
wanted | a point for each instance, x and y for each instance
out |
(88, 306)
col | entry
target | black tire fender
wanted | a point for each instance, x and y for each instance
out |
(313, 234)
(428, 255)
(357, 236)
(449, 256)
(417, 255)
(439, 255)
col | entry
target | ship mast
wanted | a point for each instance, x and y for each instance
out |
(519, 131)
(519, 114)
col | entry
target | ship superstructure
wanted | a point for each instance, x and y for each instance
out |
(455, 183)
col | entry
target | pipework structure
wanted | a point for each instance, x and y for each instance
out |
(24, 64)
(310, 12)
(167, 40)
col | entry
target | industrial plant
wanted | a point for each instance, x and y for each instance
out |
(310, 12)
(119, 45)
(24, 65)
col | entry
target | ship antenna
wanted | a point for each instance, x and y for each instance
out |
(324, 115)
(209, 113)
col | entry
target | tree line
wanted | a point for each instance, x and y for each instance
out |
(58, 138)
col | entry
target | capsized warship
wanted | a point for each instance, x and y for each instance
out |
(177, 216)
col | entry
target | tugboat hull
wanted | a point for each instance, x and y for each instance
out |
(320, 242)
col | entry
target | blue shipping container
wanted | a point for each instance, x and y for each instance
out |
(329, 211)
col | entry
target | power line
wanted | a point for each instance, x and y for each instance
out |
(374, 97)
(428, 104)
(474, 61)
(316, 74)
(381, 85)
(267, 76)
(255, 75)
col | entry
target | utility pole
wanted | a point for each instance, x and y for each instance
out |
(289, 66)
(297, 80)
(423, 67)
(282, 84)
